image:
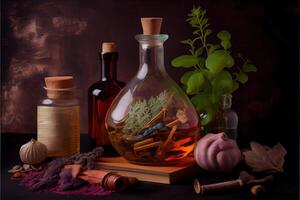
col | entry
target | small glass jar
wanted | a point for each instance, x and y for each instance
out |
(225, 120)
(230, 117)
(58, 117)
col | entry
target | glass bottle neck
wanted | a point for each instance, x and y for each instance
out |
(108, 65)
(152, 56)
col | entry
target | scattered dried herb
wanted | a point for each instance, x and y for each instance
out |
(142, 111)
(265, 159)
(23, 168)
(68, 182)
(51, 176)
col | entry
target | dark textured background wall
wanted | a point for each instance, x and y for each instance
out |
(54, 37)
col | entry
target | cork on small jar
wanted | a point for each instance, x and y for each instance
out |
(59, 86)
(59, 82)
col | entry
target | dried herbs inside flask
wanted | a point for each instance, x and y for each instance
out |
(151, 121)
(58, 117)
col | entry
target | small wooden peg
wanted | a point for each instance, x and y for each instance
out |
(181, 119)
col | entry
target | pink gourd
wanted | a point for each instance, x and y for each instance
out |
(217, 153)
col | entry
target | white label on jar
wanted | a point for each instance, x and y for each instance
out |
(59, 129)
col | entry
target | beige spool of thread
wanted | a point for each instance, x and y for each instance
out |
(58, 120)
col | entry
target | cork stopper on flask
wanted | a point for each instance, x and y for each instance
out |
(151, 25)
(108, 47)
(59, 82)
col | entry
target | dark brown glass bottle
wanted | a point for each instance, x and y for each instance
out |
(101, 95)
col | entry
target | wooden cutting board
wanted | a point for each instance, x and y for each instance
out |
(158, 174)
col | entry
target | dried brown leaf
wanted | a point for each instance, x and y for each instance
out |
(263, 158)
(276, 155)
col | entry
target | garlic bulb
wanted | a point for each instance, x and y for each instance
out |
(217, 153)
(33, 152)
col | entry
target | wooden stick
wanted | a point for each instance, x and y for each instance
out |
(141, 143)
(170, 136)
(244, 179)
(160, 153)
(266, 179)
(181, 118)
(173, 123)
(211, 188)
(148, 146)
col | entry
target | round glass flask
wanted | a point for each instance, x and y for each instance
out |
(152, 121)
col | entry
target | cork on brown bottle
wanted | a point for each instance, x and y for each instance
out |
(108, 47)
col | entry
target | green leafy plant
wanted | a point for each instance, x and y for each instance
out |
(211, 72)
(142, 111)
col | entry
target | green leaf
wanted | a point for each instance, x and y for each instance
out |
(226, 44)
(212, 48)
(185, 61)
(224, 35)
(221, 84)
(249, 68)
(235, 86)
(207, 32)
(208, 117)
(199, 51)
(205, 26)
(187, 41)
(242, 77)
(201, 62)
(204, 21)
(196, 32)
(208, 75)
(195, 82)
(230, 61)
(200, 101)
(196, 11)
(218, 60)
(185, 77)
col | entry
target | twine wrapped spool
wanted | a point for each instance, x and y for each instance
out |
(59, 117)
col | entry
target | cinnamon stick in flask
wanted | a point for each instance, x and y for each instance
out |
(58, 117)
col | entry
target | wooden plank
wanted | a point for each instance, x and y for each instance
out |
(159, 174)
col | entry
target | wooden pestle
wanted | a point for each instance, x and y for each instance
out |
(244, 179)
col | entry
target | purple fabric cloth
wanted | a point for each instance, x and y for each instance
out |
(33, 177)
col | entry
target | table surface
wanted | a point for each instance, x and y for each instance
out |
(284, 187)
